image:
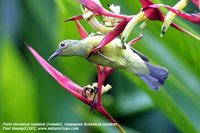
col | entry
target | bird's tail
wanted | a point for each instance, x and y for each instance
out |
(156, 77)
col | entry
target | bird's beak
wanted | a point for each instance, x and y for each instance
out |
(57, 53)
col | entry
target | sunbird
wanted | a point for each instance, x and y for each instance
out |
(116, 54)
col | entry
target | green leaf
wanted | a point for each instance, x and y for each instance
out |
(18, 94)
(180, 97)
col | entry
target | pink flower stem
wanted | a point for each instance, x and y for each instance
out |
(103, 111)
(135, 39)
(81, 30)
(101, 79)
(103, 73)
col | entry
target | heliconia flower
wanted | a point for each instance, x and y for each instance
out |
(113, 34)
(155, 14)
(194, 17)
(75, 89)
(109, 36)
(138, 18)
(91, 19)
(96, 7)
(170, 15)
(152, 14)
(197, 3)
(126, 23)
(93, 22)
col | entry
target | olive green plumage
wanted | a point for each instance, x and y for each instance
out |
(116, 56)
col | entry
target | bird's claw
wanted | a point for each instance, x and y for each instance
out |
(90, 92)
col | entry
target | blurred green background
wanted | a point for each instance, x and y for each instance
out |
(29, 94)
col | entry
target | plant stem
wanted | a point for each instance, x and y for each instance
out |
(103, 73)
(100, 84)
(185, 31)
(103, 111)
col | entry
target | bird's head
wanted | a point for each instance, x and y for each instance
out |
(65, 48)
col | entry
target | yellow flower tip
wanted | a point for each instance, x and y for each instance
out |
(135, 20)
(170, 15)
(144, 24)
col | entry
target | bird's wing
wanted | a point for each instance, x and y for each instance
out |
(140, 54)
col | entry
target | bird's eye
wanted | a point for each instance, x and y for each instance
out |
(62, 45)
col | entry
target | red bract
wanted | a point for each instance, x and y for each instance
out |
(64, 81)
(110, 35)
(75, 18)
(96, 7)
(103, 73)
(195, 17)
(156, 14)
(81, 30)
(73, 88)
(152, 14)
(197, 3)
(113, 34)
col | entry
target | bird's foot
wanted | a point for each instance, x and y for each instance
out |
(94, 99)
(90, 92)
